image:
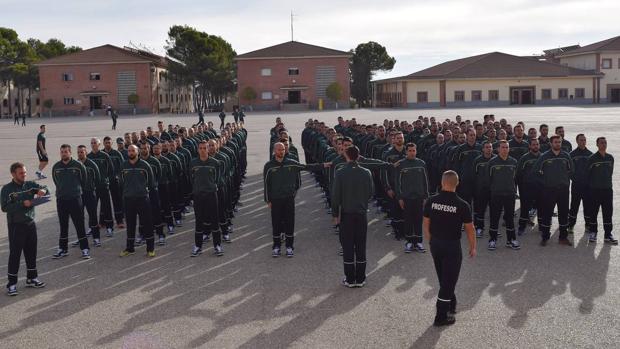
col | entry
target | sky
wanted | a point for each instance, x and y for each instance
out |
(419, 34)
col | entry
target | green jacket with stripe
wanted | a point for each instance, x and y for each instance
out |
(205, 175)
(12, 199)
(411, 179)
(136, 179)
(281, 179)
(69, 179)
(600, 171)
(554, 170)
(502, 174)
(353, 187)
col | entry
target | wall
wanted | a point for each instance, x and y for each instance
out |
(413, 87)
(587, 62)
(612, 76)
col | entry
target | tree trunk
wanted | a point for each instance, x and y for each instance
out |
(10, 99)
(29, 101)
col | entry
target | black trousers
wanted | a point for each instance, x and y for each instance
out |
(165, 204)
(528, 199)
(22, 237)
(105, 212)
(353, 229)
(222, 214)
(507, 204)
(117, 201)
(447, 256)
(90, 203)
(221, 123)
(548, 199)
(283, 220)
(397, 217)
(74, 208)
(481, 202)
(578, 193)
(603, 199)
(413, 220)
(134, 208)
(207, 218)
(114, 123)
(176, 200)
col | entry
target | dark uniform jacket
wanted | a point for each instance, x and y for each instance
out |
(205, 175)
(353, 187)
(600, 171)
(69, 179)
(554, 170)
(12, 199)
(411, 179)
(502, 174)
(136, 179)
(281, 179)
(580, 159)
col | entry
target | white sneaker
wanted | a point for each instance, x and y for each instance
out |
(170, 229)
(196, 251)
(408, 247)
(514, 244)
(289, 252)
(492, 245)
(162, 241)
(419, 247)
(109, 232)
(85, 253)
(218, 250)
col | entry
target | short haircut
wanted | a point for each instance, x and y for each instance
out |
(42, 126)
(352, 153)
(16, 165)
(65, 146)
(600, 139)
(579, 135)
(558, 127)
(347, 139)
(450, 177)
(543, 125)
(502, 141)
(107, 138)
(554, 137)
(81, 146)
(410, 145)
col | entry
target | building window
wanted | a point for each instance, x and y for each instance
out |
(161, 99)
(265, 72)
(95, 76)
(266, 95)
(5, 103)
(493, 95)
(606, 64)
(422, 97)
(69, 100)
(166, 98)
(580, 93)
(67, 77)
(16, 102)
(459, 96)
(38, 101)
(562, 93)
(476, 95)
(293, 71)
(546, 93)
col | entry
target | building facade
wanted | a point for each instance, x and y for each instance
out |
(292, 75)
(12, 97)
(88, 81)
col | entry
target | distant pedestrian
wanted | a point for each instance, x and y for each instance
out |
(201, 118)
(114, 116)
(23, 120)
(41, 152)
(222, 118)
(15, 119)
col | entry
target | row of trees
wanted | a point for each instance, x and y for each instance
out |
(17, 64)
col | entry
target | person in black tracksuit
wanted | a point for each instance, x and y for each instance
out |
(115, 192)
(353, 187)
(502, 170)
(600, 172)
(463, 160)
(529, 185)
(178, 172)
(164, 191)
(395, 153)
(445, 214)
(154, 200)
(106, 170)
(411, 179)
(482, 196)
(579, 186)
(222, 118)
(89, 196)
(554, 168)
(16, 200)
(69, 177)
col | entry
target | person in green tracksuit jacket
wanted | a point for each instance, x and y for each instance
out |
(600, 172)
(411, 188)
(16, 200)
(89, 196)
(281, 182)
(482, 196)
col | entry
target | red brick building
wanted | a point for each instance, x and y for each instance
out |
(89, 80)
(292, 75)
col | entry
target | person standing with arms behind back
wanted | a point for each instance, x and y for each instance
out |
(444, 216)
(222, 118)
(41, 152)
(353, 187)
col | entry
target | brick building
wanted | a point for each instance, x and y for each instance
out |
(292, 76)
(87, 81)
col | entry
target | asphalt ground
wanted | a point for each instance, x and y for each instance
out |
(551, 297)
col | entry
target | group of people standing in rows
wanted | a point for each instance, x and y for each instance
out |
(152, 177)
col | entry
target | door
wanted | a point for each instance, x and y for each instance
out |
(294, 97)
(526, 97)
(95, 102)
(615, 95)
(522, 95)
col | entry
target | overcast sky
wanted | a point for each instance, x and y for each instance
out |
(418, 33)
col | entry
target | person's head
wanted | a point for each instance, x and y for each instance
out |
(94, 144)
(544, 130)
(447, 136)
(149, 131)
(127, 138)
(534, 145)
(142, 135)
(518, 131)
(411, 151)
(581, 140)
(81, 151)
(503, 149)
(120, 144)
(18, 172)
(107, 143)
(285, 142)
(487, 149)
(559, 130)
(203, 149)
(440, 138)
(399, 139)
(132, 152)
(212, 144)
(460, 139)
(42, 128)
(601, 144)
(449, 181)
(160, 126)
(65, 152)
(145, 149)
(346, 143)
(502, 135)
(471, 136)
(157, 149)
(491, 134)
(134, 138)
(556, 142)
(479, 130)
(172, 146)
(279, 151)
(351, 153)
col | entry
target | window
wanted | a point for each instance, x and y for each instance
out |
(562, 93)
(459, 96)
(266, 95)
(580, 93)
(423, 97)
(67, 77)
(95, 76)
(161, 99)
(16, 102)
(493, 95)
(476, 95)
(5, 103)
(38, 101)
(265, 72)
(546, 93)
(166, 98)
(293, 71)
(606, 63)
(69, 100)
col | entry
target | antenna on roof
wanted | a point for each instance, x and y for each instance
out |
(292, 15)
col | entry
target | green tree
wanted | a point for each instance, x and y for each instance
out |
(249, 94)
(48, 104)
(334, 92)
(367, 59)
(133, 99)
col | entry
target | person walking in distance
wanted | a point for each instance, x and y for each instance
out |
(41, 153)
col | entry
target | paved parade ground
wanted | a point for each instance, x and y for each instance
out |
(555, 297)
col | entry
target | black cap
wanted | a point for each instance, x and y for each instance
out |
(119, 140)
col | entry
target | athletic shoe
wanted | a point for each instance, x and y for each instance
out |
(419, 247)
(12, 290)
(109, 232)
(196, 251)
(185, 210)
(611, 240)
(150, 254)
(565, 242)
(226, 238)
(447, 321)
(97, 242)
(138, 241)
(346, 284)
(89, 232)
(162, 241)
(520, 231)
(218, 250)
(85, 253)
(276, 252)
(171, 229)
(329, 211)
(361, 284)
(289, 252)
(340, 252)
(126, 253)
(592, 237)
(492, 245)
(206, 237)
(35, 283)
(479, 233)
(514, 244)
(532, 213)
(75, 243)
(408, 247)
(178, 223)
(388, 223)
(60, 253)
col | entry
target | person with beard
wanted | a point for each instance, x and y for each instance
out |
(579, 185)
(163, 190)
(482, 194)
(464, 157)
(115, 191)
(600, 172)
(106, 170)
(394, 154)
(89, 195)
(529, 186)
(154, 200)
